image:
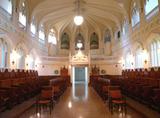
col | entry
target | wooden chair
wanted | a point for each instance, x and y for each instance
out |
(117, 100)
(45, 100)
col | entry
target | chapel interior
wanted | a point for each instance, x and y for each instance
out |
(79, 58)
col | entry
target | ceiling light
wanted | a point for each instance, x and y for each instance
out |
(79, 45)
(78, 20)
(52, 30)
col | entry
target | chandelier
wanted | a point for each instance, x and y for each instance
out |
(78, 19)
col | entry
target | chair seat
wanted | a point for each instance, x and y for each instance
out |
(43, 101)
(118, 101)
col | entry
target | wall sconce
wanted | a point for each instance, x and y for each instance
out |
(145, 61)
(13, 62)
(132, 63)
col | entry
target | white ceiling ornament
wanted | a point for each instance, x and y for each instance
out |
(79, 58)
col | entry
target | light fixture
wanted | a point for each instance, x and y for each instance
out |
(13, 62)
(23, 4)
(78, 19)
(145, 61)
(79, 45)
(52, 30)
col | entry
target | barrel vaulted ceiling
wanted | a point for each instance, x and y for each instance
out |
(97, 13)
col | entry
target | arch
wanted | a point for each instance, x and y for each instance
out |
(128, 59)
(52, 37)
(79, 39)
(22, 46)
(30, 59)
(107, 36)
(94, 41)
(155, 52)
(33, 28)
(4, 51)
(65, 41)
(21, 58)
(137, 45)
(139, 59)
(21, 51)
(41, 34)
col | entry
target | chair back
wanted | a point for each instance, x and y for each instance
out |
(115, 94)
(113, 88)
(46, 93)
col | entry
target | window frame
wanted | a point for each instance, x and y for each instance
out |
(152, 12)
(135, 13)
(53, 40)
(22, 23)
(155, 53)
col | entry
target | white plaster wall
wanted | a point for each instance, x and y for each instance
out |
(48, 69)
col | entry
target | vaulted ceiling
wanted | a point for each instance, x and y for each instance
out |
(97, 13)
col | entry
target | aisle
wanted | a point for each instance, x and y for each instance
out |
(82, 102)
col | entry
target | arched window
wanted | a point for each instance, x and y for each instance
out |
(125, 27)
(3, 53)
(135, 15)
(107, 36)
(155, 53)
(41, 34)
(29, 62)
(33, 28)
(6, 5)
(139, 59)
(51, 37)
(150, 6)
(79, 40)
(94, 41)
(22, 12)
(20, 59)
(129, 61)
(32, 62)
(65, 41)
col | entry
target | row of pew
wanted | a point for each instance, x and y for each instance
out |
(59, 85)
(142, 85)
(144, 89)
(50, 93)
(141, 73)
(17, 86)
(100, 84)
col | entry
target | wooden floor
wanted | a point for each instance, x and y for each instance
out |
(80, 102)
